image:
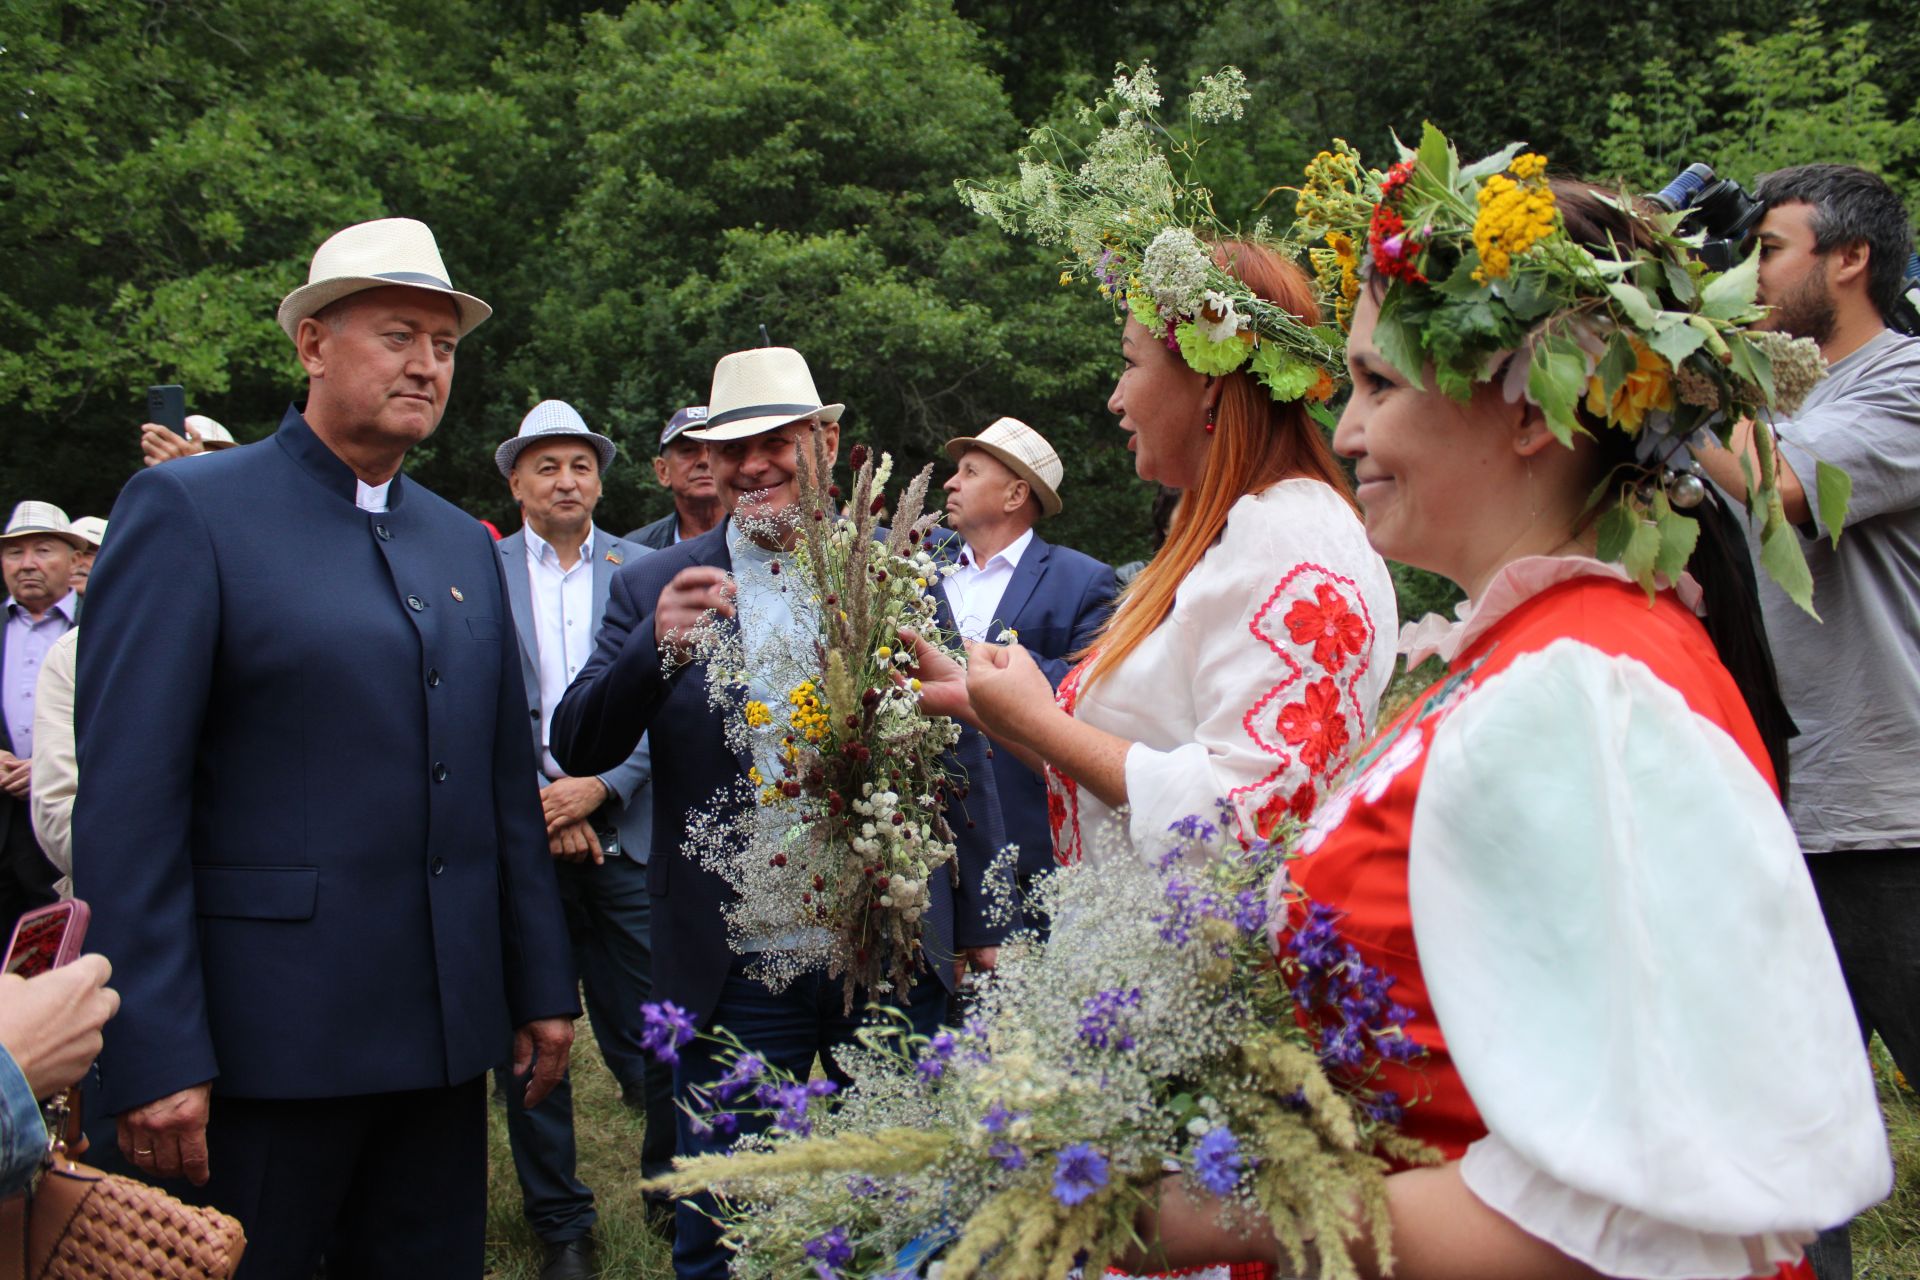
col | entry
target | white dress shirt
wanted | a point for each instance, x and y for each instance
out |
(562, 627)
(975, 591)
(370, 497)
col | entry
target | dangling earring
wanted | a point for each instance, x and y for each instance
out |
(1211, 410)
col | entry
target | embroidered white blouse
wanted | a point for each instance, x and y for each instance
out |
(1257, 686)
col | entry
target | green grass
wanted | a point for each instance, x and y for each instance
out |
(1886, 1241)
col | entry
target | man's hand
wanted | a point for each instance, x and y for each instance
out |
(544, 1044)
(168, 1136)
(16, 774)
(576, 842)
(157, 444)
(51, 1024)
(570, 799)
(686, 600)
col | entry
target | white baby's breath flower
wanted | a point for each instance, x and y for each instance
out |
(1175, 270)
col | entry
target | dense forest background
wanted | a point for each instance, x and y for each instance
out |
(638, 188)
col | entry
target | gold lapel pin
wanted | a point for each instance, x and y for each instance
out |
(456, 594)
(613, 557)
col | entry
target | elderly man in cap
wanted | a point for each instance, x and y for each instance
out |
(599, 827)
(1009, 579)
(310, 834)
(36, 556)
(684, 469)
(762, 416)
(92, 531)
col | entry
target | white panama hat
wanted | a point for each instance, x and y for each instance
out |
(41, 519)
(211, 434)
(1025, 452)
(92, 528)
(549, 420)
(758, 390)
(373, 255)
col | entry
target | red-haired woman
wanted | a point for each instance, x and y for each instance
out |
(1247, 658)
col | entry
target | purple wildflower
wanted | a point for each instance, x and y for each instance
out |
(742, 1076)
(862, 1187)
(791, 1101)
(668, 1028)
(1078, 1172)
(1386, 1107)
(829, 1252)
(1010, 1156)
(1217, 1161)
(1103, 1021)
(997, 1118)
(939, 1052)
(1341, 1046)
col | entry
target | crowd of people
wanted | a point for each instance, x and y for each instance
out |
(375, 801)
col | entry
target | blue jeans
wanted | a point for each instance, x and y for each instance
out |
(608, 918)
(1871, 899)
(787, 1028)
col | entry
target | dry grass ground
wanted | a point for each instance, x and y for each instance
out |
(1886, 1242)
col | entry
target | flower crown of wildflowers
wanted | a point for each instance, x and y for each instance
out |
(1142, 235)
(1484, 281)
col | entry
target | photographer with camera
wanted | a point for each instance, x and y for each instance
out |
(1834, 245)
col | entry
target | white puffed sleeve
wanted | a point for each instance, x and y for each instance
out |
(1631, 970)
(1279, 646)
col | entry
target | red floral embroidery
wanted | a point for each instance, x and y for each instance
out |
(1335, 631)
(1316, 726)
(1063, 793)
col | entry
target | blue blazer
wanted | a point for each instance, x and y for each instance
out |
(630, 811)
(622, 692)
(310, 837)
(1057, 600)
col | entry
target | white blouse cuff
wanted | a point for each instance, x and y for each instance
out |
(1610, 1238)
(1165, 786)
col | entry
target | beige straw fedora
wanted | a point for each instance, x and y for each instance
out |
(91, 528)
(1025, 452)
(372, 255)
(41, 519)
(758, 390)
(210, 433)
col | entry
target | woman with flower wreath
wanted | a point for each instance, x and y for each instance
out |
(1248, 657)
(1569, 855)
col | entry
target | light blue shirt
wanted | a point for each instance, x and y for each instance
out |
(27, 644)
(23, 1134)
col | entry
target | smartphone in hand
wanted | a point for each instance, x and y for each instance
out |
(167, 406)
(47, 938)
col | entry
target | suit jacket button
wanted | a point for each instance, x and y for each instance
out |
(438, 865)
(533, 712)
(415, 603)
(439, 771)
(433, 677)
(383, 533)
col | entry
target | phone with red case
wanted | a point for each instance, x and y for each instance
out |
(47, 938)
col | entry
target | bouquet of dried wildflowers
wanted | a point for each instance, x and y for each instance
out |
(1153, 1034)
(1144, 234)
(834, 837)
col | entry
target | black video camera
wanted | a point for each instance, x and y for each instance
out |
(1721, 210)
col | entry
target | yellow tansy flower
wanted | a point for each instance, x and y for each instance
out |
(757, 714)
(1514, 216)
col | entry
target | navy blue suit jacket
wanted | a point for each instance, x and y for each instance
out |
(1057, 601)
(310, 836)
(622, 693)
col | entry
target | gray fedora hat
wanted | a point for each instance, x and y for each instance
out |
(551, 420)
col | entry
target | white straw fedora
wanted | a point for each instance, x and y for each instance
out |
(41, 519)
(92, 528)
(211, 434)
(758, 390)
(1025, 452)
(548, 420)
(372, 255)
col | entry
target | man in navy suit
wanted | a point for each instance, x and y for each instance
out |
(599, 828)
(1010, 579)
(761, 417)
(311, 838)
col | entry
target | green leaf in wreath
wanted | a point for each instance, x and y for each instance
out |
(1616, 364)
(1676, 342)
(1398, 341)
(1643, 549)
(1636, 304)
(1679, 281)
(1555, 382)
(1487, 166)
(1678, 536)
(1732, 292)
(1616, 526)
(1786, 564)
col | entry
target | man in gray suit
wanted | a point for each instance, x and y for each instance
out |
(558, 567)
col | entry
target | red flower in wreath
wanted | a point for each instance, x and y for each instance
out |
(1326, 622)
(1393, 246)
(1316, 726)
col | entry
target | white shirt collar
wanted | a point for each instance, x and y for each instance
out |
(1011, 553)
(370, 497)
(538, 548)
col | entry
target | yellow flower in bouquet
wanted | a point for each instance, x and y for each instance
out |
(1516, 213)
(1649, 386)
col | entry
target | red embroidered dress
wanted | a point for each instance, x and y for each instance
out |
(1569, 856)
(1255, 688)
